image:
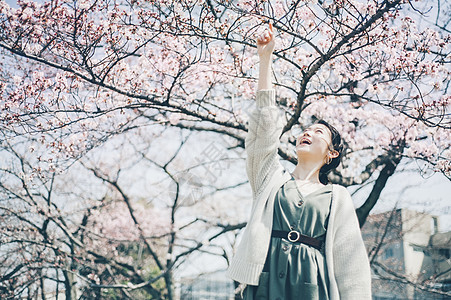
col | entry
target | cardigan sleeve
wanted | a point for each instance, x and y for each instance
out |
(351, 264)
(262, 140)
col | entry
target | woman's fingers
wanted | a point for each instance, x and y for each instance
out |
(266, 37)
(263, 40)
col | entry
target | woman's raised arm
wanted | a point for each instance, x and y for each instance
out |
(265, 123)
(265, 47)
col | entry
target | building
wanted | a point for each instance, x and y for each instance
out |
(410, 259)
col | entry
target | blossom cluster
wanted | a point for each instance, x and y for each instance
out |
(88, 68)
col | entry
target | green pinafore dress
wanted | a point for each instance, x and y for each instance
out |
(295, 270)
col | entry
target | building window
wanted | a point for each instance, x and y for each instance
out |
(417, 248)
(388, 253)
(444, 252)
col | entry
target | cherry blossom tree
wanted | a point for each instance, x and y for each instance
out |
(100, 68)
(110, 225)
(79, 74)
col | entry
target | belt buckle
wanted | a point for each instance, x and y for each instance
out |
(297, 235)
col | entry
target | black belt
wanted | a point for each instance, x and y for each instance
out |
(294, 236)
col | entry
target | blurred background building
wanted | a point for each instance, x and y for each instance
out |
(410, 258)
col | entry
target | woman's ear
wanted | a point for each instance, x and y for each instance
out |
(333, 153)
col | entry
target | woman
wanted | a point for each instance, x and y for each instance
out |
(303, 239)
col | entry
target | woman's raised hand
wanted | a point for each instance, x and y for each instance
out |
(265, 43)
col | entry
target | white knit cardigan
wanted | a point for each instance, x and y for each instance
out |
(346, 257)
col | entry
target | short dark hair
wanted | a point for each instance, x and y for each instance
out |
(337, 144)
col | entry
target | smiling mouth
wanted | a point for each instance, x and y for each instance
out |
(305, 142)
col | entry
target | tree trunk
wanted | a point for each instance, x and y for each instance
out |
(69, 283)
(169, 285)
(388, 170)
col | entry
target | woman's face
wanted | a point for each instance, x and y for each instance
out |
(314, 143)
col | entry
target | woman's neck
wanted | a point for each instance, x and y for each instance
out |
(307, 171)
